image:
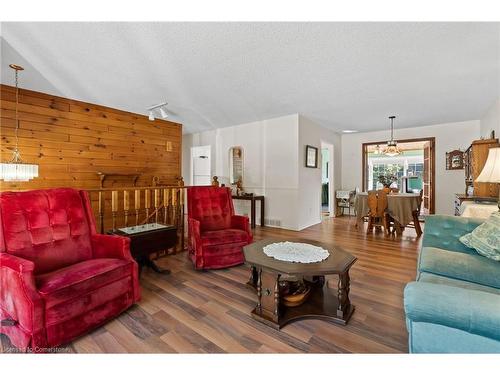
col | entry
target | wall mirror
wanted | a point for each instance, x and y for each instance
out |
(235, 165)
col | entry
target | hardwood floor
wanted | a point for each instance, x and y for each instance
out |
(209, 312)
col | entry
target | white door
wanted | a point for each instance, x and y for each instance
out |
(200, 165)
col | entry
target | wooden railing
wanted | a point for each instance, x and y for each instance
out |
(125, 206)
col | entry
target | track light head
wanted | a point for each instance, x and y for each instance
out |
(151, 116)
(163, 113)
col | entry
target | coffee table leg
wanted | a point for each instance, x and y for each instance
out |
(254, 277)
(268, 298)
(343, 295)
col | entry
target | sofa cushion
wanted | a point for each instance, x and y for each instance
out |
(485, 239)
(472, 311)
(81, 278)
(444, 231)
(443, 280)
(48, 227)
(468, 267)
(221, 237)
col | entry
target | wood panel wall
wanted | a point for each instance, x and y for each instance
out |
(71, 141)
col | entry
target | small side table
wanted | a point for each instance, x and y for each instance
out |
(147, 239)
(252, 199)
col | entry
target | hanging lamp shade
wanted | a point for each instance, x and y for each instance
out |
(16, 169)
(392, 148)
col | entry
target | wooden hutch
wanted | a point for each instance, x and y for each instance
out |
(474, 159)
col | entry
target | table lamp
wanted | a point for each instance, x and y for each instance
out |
(491, 170)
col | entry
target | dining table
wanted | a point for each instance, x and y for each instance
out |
(402, 207)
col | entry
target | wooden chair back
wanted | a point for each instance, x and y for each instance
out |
(381, 203)
(372, 203)
(377, 203)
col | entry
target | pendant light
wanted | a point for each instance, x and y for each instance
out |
(16, 169)
(392, 148)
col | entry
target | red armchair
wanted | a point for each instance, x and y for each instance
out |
(58, 277)
(216, 234)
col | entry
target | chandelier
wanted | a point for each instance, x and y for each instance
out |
(392, 148)
(16, 169)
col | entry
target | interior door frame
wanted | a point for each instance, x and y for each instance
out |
(432, 142)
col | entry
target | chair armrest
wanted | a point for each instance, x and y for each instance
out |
(16, 264)
(111, 246)
(19, 297)
(194, 234)
(242, 223)
(468, 310)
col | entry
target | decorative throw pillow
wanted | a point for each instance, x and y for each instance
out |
(485, 239)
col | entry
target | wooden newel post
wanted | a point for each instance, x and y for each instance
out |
(215, 181)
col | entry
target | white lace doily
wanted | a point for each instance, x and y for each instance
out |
(296, 252)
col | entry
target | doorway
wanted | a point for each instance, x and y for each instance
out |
(412, 171)
(201, 166)
(327, 196)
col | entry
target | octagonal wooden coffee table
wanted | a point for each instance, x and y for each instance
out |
(323, 302)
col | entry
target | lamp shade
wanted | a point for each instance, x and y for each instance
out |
(491, 170)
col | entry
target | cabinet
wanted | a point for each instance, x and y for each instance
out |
(474, 159)
(459, 198)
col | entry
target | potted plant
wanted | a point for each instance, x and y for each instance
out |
(387, 179)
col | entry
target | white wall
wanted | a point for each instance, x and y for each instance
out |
(274, 165)
(270, 159)
(491, 120)
(448, 136)
(310, 133)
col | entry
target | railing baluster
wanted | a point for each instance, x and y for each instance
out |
(101, 212)
(168, 203)
(165, 205)
(126, 205)
(157, 204)
(147, 203)
(137, 204)
(114, 206)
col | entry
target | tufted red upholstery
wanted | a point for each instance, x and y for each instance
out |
(58, 278)
(216, 234)
(50, 229)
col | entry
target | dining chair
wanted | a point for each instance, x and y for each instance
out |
(421, 194)
(378, 216)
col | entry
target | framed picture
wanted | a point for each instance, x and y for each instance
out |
(311, 157)
(455, 160)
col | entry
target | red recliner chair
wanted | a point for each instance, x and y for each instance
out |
(58, 277)
(216, 234)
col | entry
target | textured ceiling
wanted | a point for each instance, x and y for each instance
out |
(341, 75)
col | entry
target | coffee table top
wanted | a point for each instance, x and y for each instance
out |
(339, 261)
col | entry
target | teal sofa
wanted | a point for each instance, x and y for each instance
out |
(454, 306)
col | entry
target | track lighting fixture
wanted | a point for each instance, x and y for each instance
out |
(158, 107)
